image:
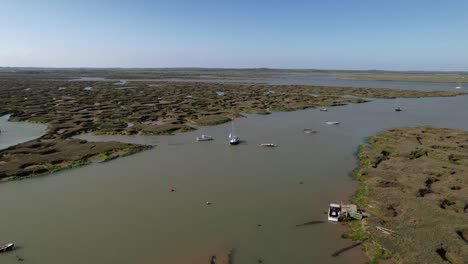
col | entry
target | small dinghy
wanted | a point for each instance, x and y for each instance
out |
(6, 247)
(333, 123)
(204, 138)
(309, 131)
(323, 109)
(271, 145)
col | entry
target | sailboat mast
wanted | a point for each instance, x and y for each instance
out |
(232, 129)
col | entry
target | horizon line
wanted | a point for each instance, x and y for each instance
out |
(227, 68)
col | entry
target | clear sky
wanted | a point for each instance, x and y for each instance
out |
(328, 34)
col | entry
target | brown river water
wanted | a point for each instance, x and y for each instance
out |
(123, 211)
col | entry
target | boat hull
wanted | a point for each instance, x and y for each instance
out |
(6, 247)
(309, 131)
(204, 138)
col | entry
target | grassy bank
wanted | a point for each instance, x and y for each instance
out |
(41, 156)
(416, 193)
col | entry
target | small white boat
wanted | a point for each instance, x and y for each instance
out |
(204, 138)
(233, 140)
(333, 123)
(323, 109)
(6, 247)
(460, 84)
(309, 131)
(397, 105)
(334, 212)
(267, 145)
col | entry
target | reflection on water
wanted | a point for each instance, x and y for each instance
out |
(123, 211)
(13, 133)
(333, 81)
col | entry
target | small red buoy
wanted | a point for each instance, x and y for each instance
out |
(172, 189)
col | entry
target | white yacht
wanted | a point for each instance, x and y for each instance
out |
(233, 139)
(333, 123)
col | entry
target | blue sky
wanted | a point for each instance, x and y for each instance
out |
(332, 34)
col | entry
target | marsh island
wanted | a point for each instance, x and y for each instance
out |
(414, 184)
(143, 107)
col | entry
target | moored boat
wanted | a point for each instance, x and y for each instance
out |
(204, 138)
(397, 105)
(233, 139)
(334, 212)
(268, 145)
(309, 131)
(333, 123)
(323, 109)
(6, 247)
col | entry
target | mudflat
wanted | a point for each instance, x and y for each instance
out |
(414, 185)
